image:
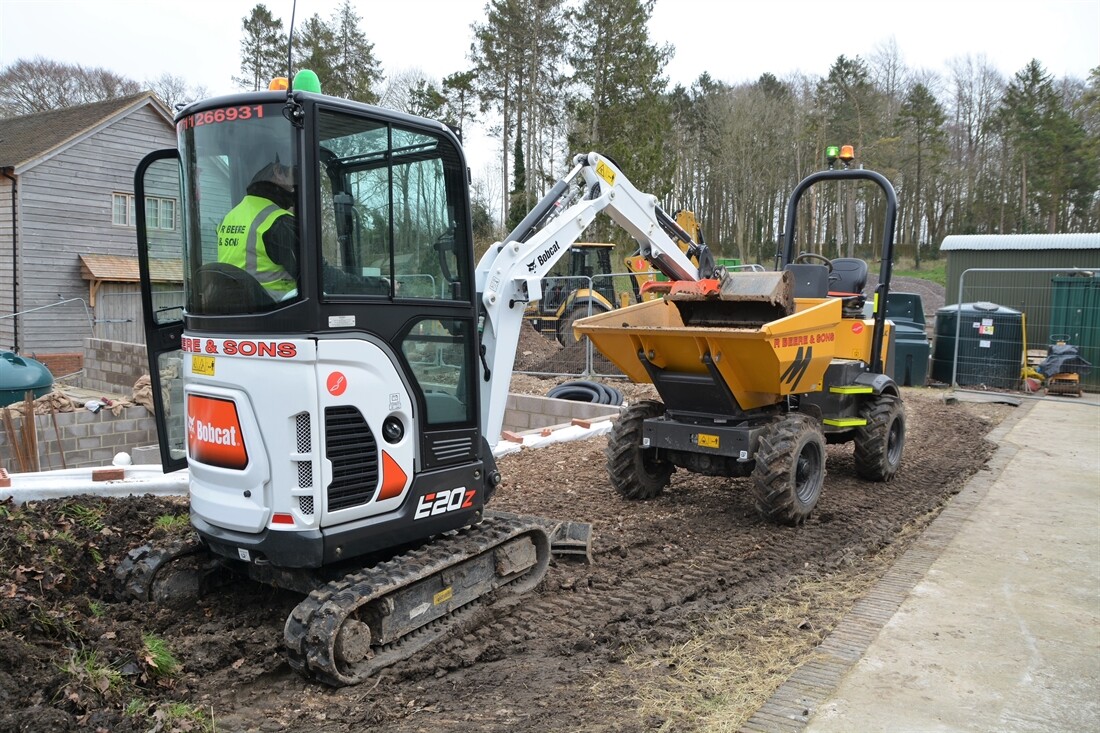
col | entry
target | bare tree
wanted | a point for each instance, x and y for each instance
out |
(39, 85)
(174, 91)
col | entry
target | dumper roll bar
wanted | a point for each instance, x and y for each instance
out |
(887, 268)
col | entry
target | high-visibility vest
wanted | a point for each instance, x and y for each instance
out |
(241, 243)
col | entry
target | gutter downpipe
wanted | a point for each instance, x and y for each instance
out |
(14, 257)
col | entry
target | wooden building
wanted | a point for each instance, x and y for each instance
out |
(68, 244)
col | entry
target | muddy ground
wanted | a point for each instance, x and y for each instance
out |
(692, 611)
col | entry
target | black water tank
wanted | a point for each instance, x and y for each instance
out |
(990, 345)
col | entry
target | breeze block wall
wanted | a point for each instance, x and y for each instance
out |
(85, 438)
(113, 366)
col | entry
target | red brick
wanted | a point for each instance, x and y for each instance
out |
(510, 436)
(5, 479)
(108, 474)
(581, 423)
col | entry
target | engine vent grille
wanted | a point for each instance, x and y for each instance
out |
(450, 449)
(305, 474)
(305, 505)
(303, 432)
(353, 452)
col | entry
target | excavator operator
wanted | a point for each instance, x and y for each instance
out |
(260, 236)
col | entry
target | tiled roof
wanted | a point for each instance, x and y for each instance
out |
(119, 268)
(22, 139)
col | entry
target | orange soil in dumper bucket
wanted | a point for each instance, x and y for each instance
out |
(764, 343)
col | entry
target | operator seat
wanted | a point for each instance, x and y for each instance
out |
(224, 289)
(849, 276)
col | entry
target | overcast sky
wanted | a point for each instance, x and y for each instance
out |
(735, 41)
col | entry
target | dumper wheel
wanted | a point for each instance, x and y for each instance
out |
(880, 443)
(636, 472)
(790, 470)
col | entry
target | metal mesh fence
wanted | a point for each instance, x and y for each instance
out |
(1028, 330)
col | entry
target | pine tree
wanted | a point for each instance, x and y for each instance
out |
(923, 118)
(355, 70)
(315, 49)
(263, 49)
(620, 109)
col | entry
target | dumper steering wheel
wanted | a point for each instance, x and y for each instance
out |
(807, 257)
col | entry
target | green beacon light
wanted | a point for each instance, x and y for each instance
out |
(831, 154)
(306, 81)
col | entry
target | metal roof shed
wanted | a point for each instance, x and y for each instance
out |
(1011, 251)
(1054, 279)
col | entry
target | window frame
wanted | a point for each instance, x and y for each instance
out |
(131, 211)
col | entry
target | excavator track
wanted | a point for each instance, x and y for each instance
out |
(351, 628)
(153, 572)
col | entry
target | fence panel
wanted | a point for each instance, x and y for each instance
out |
(1010, 321)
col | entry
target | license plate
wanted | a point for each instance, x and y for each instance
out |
(202, 365)
(707, 441)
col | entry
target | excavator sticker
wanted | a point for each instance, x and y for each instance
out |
(214, 432)
(448, 500)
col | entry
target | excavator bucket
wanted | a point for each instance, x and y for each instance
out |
(738, 299)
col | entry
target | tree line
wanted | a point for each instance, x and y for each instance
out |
(968, 152)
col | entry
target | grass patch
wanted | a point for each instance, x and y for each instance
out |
(89, 673)
(158, 657)
(931, 270)
(87, 517)
(173, 522)
(171, 716)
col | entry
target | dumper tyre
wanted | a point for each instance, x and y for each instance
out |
(636, 472)
(880, 443)
(790, 470)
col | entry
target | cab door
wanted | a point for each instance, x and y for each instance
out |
(160, 234)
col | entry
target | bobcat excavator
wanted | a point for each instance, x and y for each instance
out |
(338, 430)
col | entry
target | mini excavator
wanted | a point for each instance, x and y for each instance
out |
(339, 433)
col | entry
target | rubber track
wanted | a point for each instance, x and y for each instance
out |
(311, 629)
(137, 571)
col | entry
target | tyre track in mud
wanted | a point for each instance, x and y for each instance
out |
(693, 551)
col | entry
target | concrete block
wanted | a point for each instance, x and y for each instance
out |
(145, 455)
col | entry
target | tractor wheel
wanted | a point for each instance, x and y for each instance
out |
(636, 472)
(565, 333)
(880, 443)
(790, 470)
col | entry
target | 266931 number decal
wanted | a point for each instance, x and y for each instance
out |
(225, 114)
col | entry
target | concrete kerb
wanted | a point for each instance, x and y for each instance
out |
(794, 703)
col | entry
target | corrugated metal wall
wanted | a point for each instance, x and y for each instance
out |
(959, 261)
